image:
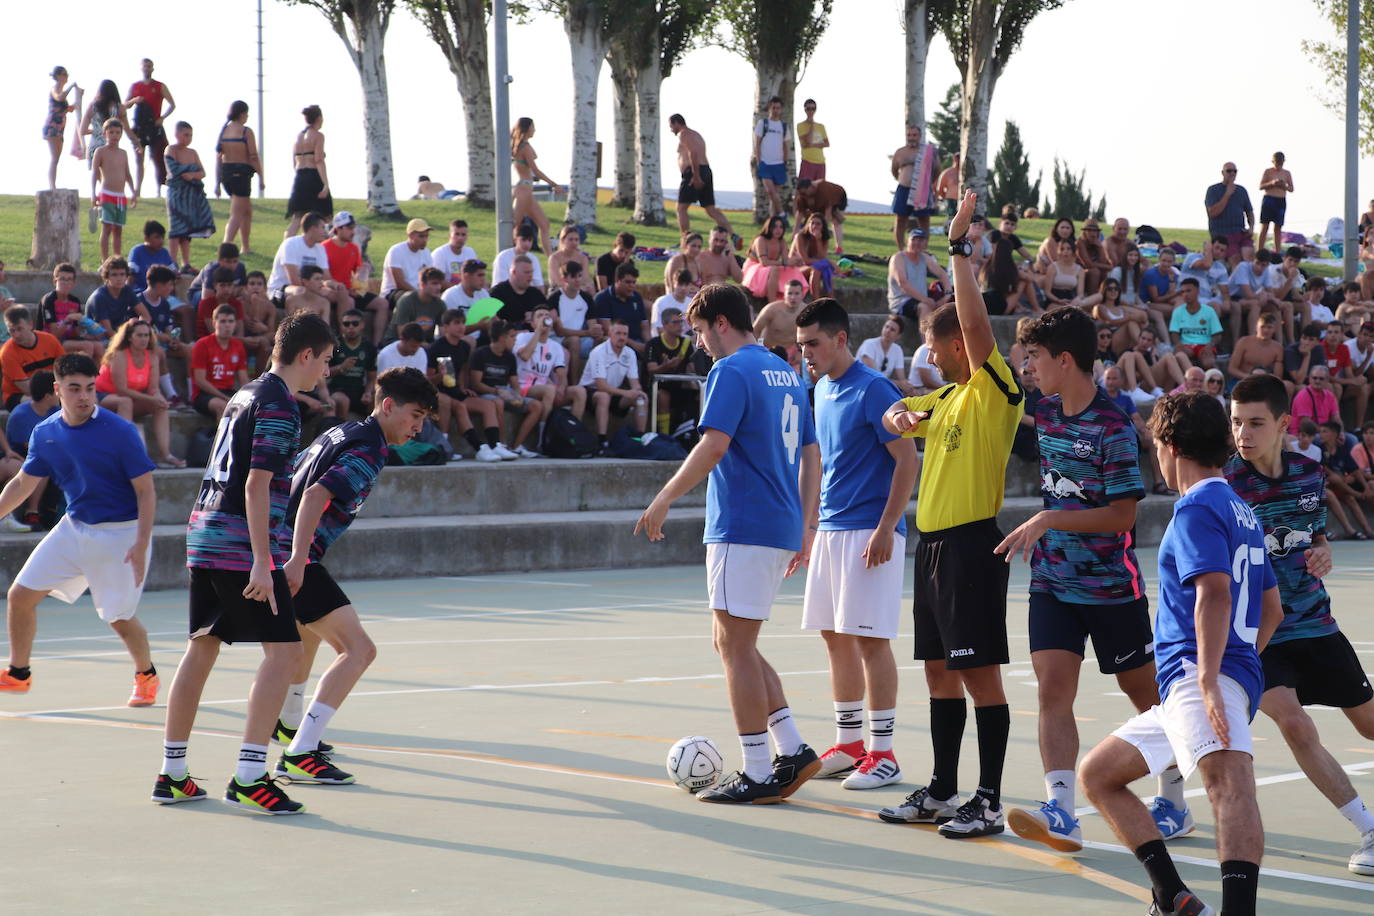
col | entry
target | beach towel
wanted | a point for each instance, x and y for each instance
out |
(923, 176)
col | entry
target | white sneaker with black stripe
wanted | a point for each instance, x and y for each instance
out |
(920, 808)
(874, 772)
(974, 818)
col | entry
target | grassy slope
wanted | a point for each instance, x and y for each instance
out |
(871, 234)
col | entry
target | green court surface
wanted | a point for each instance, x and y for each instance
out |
(509, 746)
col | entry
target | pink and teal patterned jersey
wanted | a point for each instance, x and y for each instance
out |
(1087, 461)
(1292, 510)
(345, 460)
(260, 430)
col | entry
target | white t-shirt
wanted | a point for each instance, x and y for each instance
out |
(770, 146)
(391, 357)
(572, 311)
(615, 369)
(1208, 280)
(667, 301)
(1359, 362)
(1323, 315)
(452, 264)
(539, 368)
(410, 263)
(500, 268)
(298, 253)
(921, 360)
(455, 298)
(894, 358)
(1313, 451)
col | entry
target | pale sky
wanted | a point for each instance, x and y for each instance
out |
(1149, 98)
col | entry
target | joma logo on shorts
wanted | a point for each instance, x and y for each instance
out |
(961, 653)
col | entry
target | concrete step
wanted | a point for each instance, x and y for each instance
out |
(463, 545)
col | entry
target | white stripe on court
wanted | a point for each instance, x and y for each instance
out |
(1365, 886)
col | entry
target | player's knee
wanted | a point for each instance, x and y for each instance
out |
(1296, 726)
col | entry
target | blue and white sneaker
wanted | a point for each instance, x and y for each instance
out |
(1051, 825)
(1172, 823)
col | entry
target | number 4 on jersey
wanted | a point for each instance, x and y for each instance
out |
(791, 427)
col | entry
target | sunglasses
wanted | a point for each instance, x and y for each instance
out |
(1228, 171)
(351, 324)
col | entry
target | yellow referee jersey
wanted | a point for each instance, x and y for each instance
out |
(968, 439)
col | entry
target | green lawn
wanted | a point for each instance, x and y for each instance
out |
(863, 234)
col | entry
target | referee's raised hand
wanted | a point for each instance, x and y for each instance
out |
(958, 226)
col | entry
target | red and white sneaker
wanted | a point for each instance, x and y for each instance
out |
(841, 760)
(877, 769)
(145, 690)
(11, 684)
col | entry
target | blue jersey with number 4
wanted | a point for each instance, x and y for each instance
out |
(756, 399)
(1213, 530)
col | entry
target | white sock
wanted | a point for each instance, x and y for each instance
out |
(754, 750)
(252, 763)
(294, 708)
(168, 390)
(174, 759)
(1171, 787)
(849, 721)
(1356, 812)
(312, 728)
(783, 729)
(1060, 786)
(880, 723)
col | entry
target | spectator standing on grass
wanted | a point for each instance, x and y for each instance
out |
(915, 166)
(623, 303)
(1229, 214)
(621, 252)
(813, 139)
(145, 97)
(188, 210)
(453, 254)
(611, 378)
(236, 162)
(524, 206)
(947, 187)
(219, 366)
(523, 243)
(62, 315)
(770, 154)
(1277, 184)
(150, 252)
(310, 186)
(353, 367)
(698, 184)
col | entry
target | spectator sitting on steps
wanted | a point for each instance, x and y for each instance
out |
(612, 379)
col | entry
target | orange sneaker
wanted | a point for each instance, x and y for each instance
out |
(145, 690)
(11, 684)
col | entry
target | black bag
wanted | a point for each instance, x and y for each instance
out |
(198, 448)
(1148, 235)
(566, 437)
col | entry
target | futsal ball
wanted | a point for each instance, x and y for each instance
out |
(694, 763)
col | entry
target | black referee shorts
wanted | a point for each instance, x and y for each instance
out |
(1324, 670)
(960, 601)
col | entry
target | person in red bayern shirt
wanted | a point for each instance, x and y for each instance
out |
(219, 366)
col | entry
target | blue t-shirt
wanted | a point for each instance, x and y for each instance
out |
(346, 460)
(160, 313)
(756, 399)
(101, 306)
(140, 259)
(609, 306)
(1293, 512)
(21, 423)
(1153, 284)
(858, 467)
(1087, 461)
(1212, 530)
(1232, 219)
(92, 463)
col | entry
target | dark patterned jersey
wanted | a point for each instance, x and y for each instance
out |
(260, 430)
(1292, 510)
(1087, 461)
(345, 460)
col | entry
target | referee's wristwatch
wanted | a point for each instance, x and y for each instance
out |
(961, 247)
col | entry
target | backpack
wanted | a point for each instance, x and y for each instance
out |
(414, 452)
(198, 448)
(1148, 235)
(649, 447)
(566, 437)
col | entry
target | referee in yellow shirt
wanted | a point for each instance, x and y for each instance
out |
(960, 603)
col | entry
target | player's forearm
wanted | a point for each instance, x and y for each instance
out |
(19, 489)
(700, 462)
(809, 479)
(257, 507)
(313, 503)
(1115, 518)
(146, 494)
(899, 493)
(1271, 615)
(1212, 619)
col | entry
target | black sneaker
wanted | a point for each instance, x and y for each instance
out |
(284, 735)
(262, 797)
(169, 791)
(974, 818)
(314, 768)
(738, 789)
(1186, 903)
(791, 770)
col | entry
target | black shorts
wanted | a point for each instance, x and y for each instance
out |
(219, 609)
(1323, 670)
(618, 407)
(1272, 210)
(704, 195)
(364, 301)
(319, 595)
(1122, 636)
(201, 403)
(237, 178)
(960, 601)
(14, 400)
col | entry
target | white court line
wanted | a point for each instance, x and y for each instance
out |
(1267, 872)
(522, 581)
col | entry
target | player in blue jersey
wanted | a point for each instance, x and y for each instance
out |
(757, 436)
(854, 579)
(1085, 579)
(332, 481)
(1308, 660)
(236, 541)
(1218, 606)
(104, 539)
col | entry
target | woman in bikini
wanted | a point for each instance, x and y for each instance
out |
(1063, 229)
(686, 259)
(1124, 321)
(236, 161)
(1063, 278)
(56, 124)
(769, 269)
(522, 156)
(569, 240)
(130, 373)
(809, 246)
(103, 107)
(310, 190)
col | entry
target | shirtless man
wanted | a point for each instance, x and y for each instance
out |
(718, 265)
(1116, 242)
(1277, 184)
(110, 167)
(310, 294)
(947, 187)
(902, 162)
(1258, 351)
(698, 185)
(259, 315)
(776, 326)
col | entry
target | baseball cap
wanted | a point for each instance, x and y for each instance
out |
(916, 233)
(343, 218)
(417, 225)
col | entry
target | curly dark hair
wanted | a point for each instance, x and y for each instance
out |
(1196, 425)
(1067, 328)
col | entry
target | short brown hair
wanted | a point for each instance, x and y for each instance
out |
(1196, 425)
(944, 322)
(721, 299)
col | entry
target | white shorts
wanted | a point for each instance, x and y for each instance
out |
(743, 579)
(1178, 731)
(843, 596)
(75, 556)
